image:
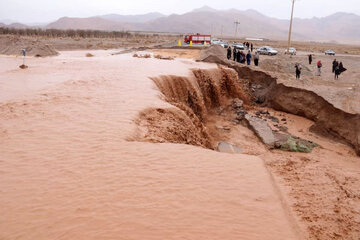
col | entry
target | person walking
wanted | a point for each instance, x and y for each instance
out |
(252, 47)
(310, 59)
(319, 66)
(248, 58)
(334, 65)
(297, 70)
(229, 53)
(256, 58)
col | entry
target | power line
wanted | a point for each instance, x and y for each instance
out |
(290, 27)
(237, 23)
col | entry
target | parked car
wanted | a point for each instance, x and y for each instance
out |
(224, 44)
(215, 41)
(239, 46)
(266, 50)
(329, 52)
(292, 51)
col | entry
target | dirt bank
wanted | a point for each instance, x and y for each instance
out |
(12, 45)
(266, 91)
(328, 119)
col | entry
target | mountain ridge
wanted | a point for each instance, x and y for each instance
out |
(338, 27)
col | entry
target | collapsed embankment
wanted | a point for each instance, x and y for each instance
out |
(266, 91)
(195, 98)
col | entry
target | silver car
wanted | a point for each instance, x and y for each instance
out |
(266, 50)
(224, 44)
(291, 51)
(238, 46)
(329, 52)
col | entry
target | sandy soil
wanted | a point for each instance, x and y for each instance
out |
(77, 175)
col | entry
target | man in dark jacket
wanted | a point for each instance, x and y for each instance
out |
(238, 56)
(234, 53)
(334, 65)
(229, 53)
(310, 59)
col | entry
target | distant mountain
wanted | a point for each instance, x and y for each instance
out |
(204, 9)
(339, 27)
(14, 25)
(7, 21)
(93, 23)
(132, 18)
(207, 21)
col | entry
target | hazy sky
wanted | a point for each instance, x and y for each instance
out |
(30, 11)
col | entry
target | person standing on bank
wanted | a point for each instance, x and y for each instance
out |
(310, 59)
(256, 58)
(229, 53)
(341, 68)
(238, 56)
(248, 58)
(334, 65)
(337, 72)
(297, 70)
(234, 53)
(319, 66)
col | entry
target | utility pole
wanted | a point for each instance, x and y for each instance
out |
(290, 28)
(222, 28)
(237, 23)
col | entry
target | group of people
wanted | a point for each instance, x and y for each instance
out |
(240, 56)
(337, 67)
(248, 46)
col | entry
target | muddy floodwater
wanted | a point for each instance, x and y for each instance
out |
(69, 171)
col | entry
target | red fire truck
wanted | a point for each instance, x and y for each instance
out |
(197, 38)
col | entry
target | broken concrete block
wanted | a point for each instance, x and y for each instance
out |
(262, 130)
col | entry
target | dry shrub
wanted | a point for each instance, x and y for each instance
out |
(89, 55)
(158, 56)
(23, 66)
(142, 56)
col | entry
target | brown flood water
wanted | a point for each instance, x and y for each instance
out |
(67, 171)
